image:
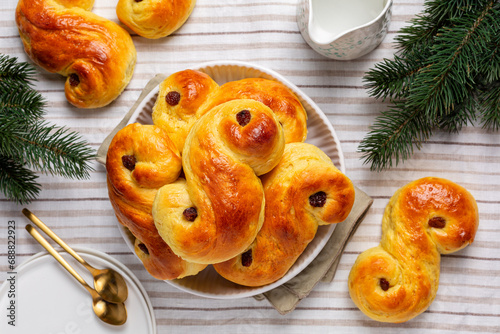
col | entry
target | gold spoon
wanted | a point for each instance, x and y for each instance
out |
(108, 283)
(111, 313)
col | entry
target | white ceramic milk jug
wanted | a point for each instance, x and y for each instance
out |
(343, 29)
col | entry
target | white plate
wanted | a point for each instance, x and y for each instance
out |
(320, 133)
(47, 299)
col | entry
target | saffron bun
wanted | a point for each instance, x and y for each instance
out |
(305, 190)
(154, 18)
(216, 213)
(95, 54)
(398, 279)
(179, 101)
(282, 101)
(141, 159)
(185, 96)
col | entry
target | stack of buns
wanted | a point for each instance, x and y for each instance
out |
(241, 190)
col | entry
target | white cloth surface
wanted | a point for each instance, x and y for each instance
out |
(266, 33)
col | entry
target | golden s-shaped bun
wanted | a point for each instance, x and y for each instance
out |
(141, 159)
(217, 212)
(178, 104)
(282, 101)
(154, 18)
(303, 191)
(96, 55)
(398, 280)
(187, 95)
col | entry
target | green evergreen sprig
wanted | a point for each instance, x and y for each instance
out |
(445, 74)
(28, 143)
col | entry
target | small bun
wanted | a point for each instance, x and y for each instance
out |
(303, 191)
(398, 280)
(141, 159)
(154, 18)
(216, 213)
(96, 55)
(178, 104)
(282, 101)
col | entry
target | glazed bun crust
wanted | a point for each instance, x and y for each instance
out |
(96, 55)
(303, 191)
(154, 18)
(224, 153)
(398, 280)
(198, 93)
(282, 101)
(178, 104)
(141, 159)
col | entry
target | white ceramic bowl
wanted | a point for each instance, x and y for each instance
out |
(320, 133)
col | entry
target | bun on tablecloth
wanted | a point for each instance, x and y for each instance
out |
(187, 95)
(398, 280)
(154, 18)
(95, 54)
(217, 212)
(303, 191)
(141, 159)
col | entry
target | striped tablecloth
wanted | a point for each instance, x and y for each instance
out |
(266, 33)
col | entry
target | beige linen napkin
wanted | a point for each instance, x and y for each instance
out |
(285, 297)
(322, 269)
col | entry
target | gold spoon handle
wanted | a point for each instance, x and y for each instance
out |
(45, 244)
(55, 237)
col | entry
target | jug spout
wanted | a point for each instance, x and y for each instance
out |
(341, 24)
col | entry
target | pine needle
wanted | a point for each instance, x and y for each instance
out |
(490, 108)
(394, 135)
(17, 182)
(28, 143)
(13, 71)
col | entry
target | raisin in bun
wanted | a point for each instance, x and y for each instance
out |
(154, 18)
(95, 54)
(398, 280)
(303, 191)
(141, 159)
(187, 95)
(218, 210)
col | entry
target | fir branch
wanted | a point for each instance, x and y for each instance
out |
(445, 74)
(490, 108)
(16, 93)
(448, 78)
(21, 102)
(48, 148)
(489, 69)
(420, 33)
(28, 142)
(17, 182)
(392, 78)
(461, 115)
(12, 71)
(395, 134)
